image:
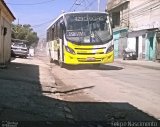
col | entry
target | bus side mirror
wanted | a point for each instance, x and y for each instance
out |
(4, 31)
(111, 21)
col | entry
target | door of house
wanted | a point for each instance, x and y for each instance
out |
(158, 47)
(151, 48)
(116, 48)
(143, 46)
(137, 43)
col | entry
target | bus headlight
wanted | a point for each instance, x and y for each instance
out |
(110, 49)
(68, 49)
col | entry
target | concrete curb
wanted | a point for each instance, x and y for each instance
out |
(138, 64)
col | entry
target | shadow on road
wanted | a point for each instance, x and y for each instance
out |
(108, 112)
(92, 67)
(22, 99)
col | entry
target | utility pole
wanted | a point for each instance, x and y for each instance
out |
(98, 5)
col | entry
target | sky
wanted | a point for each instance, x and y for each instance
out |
(40, 13)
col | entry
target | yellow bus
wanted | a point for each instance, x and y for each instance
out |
(81, 38)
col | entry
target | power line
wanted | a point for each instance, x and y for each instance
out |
(73, 5)
(90, 4)
(135, 9)
(140, 10)
(146, 11)
(41, 24)
(80, 4)
(43, 2)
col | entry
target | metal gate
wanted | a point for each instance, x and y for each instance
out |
(122, 45)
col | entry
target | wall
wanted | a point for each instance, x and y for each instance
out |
(120, 42)
(116, 36)
(131, 43)
(113, 3)
(144, 14)
(5, 41)
(120, 15)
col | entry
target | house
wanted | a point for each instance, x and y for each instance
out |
(141, 20)
(6, 18)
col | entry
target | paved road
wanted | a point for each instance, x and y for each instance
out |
(33, 89)
(123, 86)
(26, 95)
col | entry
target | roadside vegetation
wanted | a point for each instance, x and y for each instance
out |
(25, 32)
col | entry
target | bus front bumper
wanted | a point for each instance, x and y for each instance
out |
(88, 59)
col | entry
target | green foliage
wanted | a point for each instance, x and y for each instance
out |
(24, 32)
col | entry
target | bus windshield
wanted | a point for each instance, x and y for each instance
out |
(88, 28)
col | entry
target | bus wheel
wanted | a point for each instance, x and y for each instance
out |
(61, 64)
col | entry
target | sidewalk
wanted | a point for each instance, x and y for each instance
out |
(141, 63)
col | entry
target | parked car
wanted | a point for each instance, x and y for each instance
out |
(19, 49)
(129, 54)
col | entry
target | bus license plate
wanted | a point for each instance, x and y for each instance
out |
(90, 59)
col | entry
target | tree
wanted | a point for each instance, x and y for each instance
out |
(24, 32)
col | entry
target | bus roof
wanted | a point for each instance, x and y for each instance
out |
(76, 12)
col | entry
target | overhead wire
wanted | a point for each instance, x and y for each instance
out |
(138, 7)
(72, 5)
(80, 4)
(90, 4)
(142, 9)
(44, 23)
(148, 8)
(49, 21)
(86, 7)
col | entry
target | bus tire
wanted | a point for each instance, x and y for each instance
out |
(61, 64)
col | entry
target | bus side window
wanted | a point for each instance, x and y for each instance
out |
(56, 31)
(47, 35)
(59, 30)
(52, 33)
(61, 33)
